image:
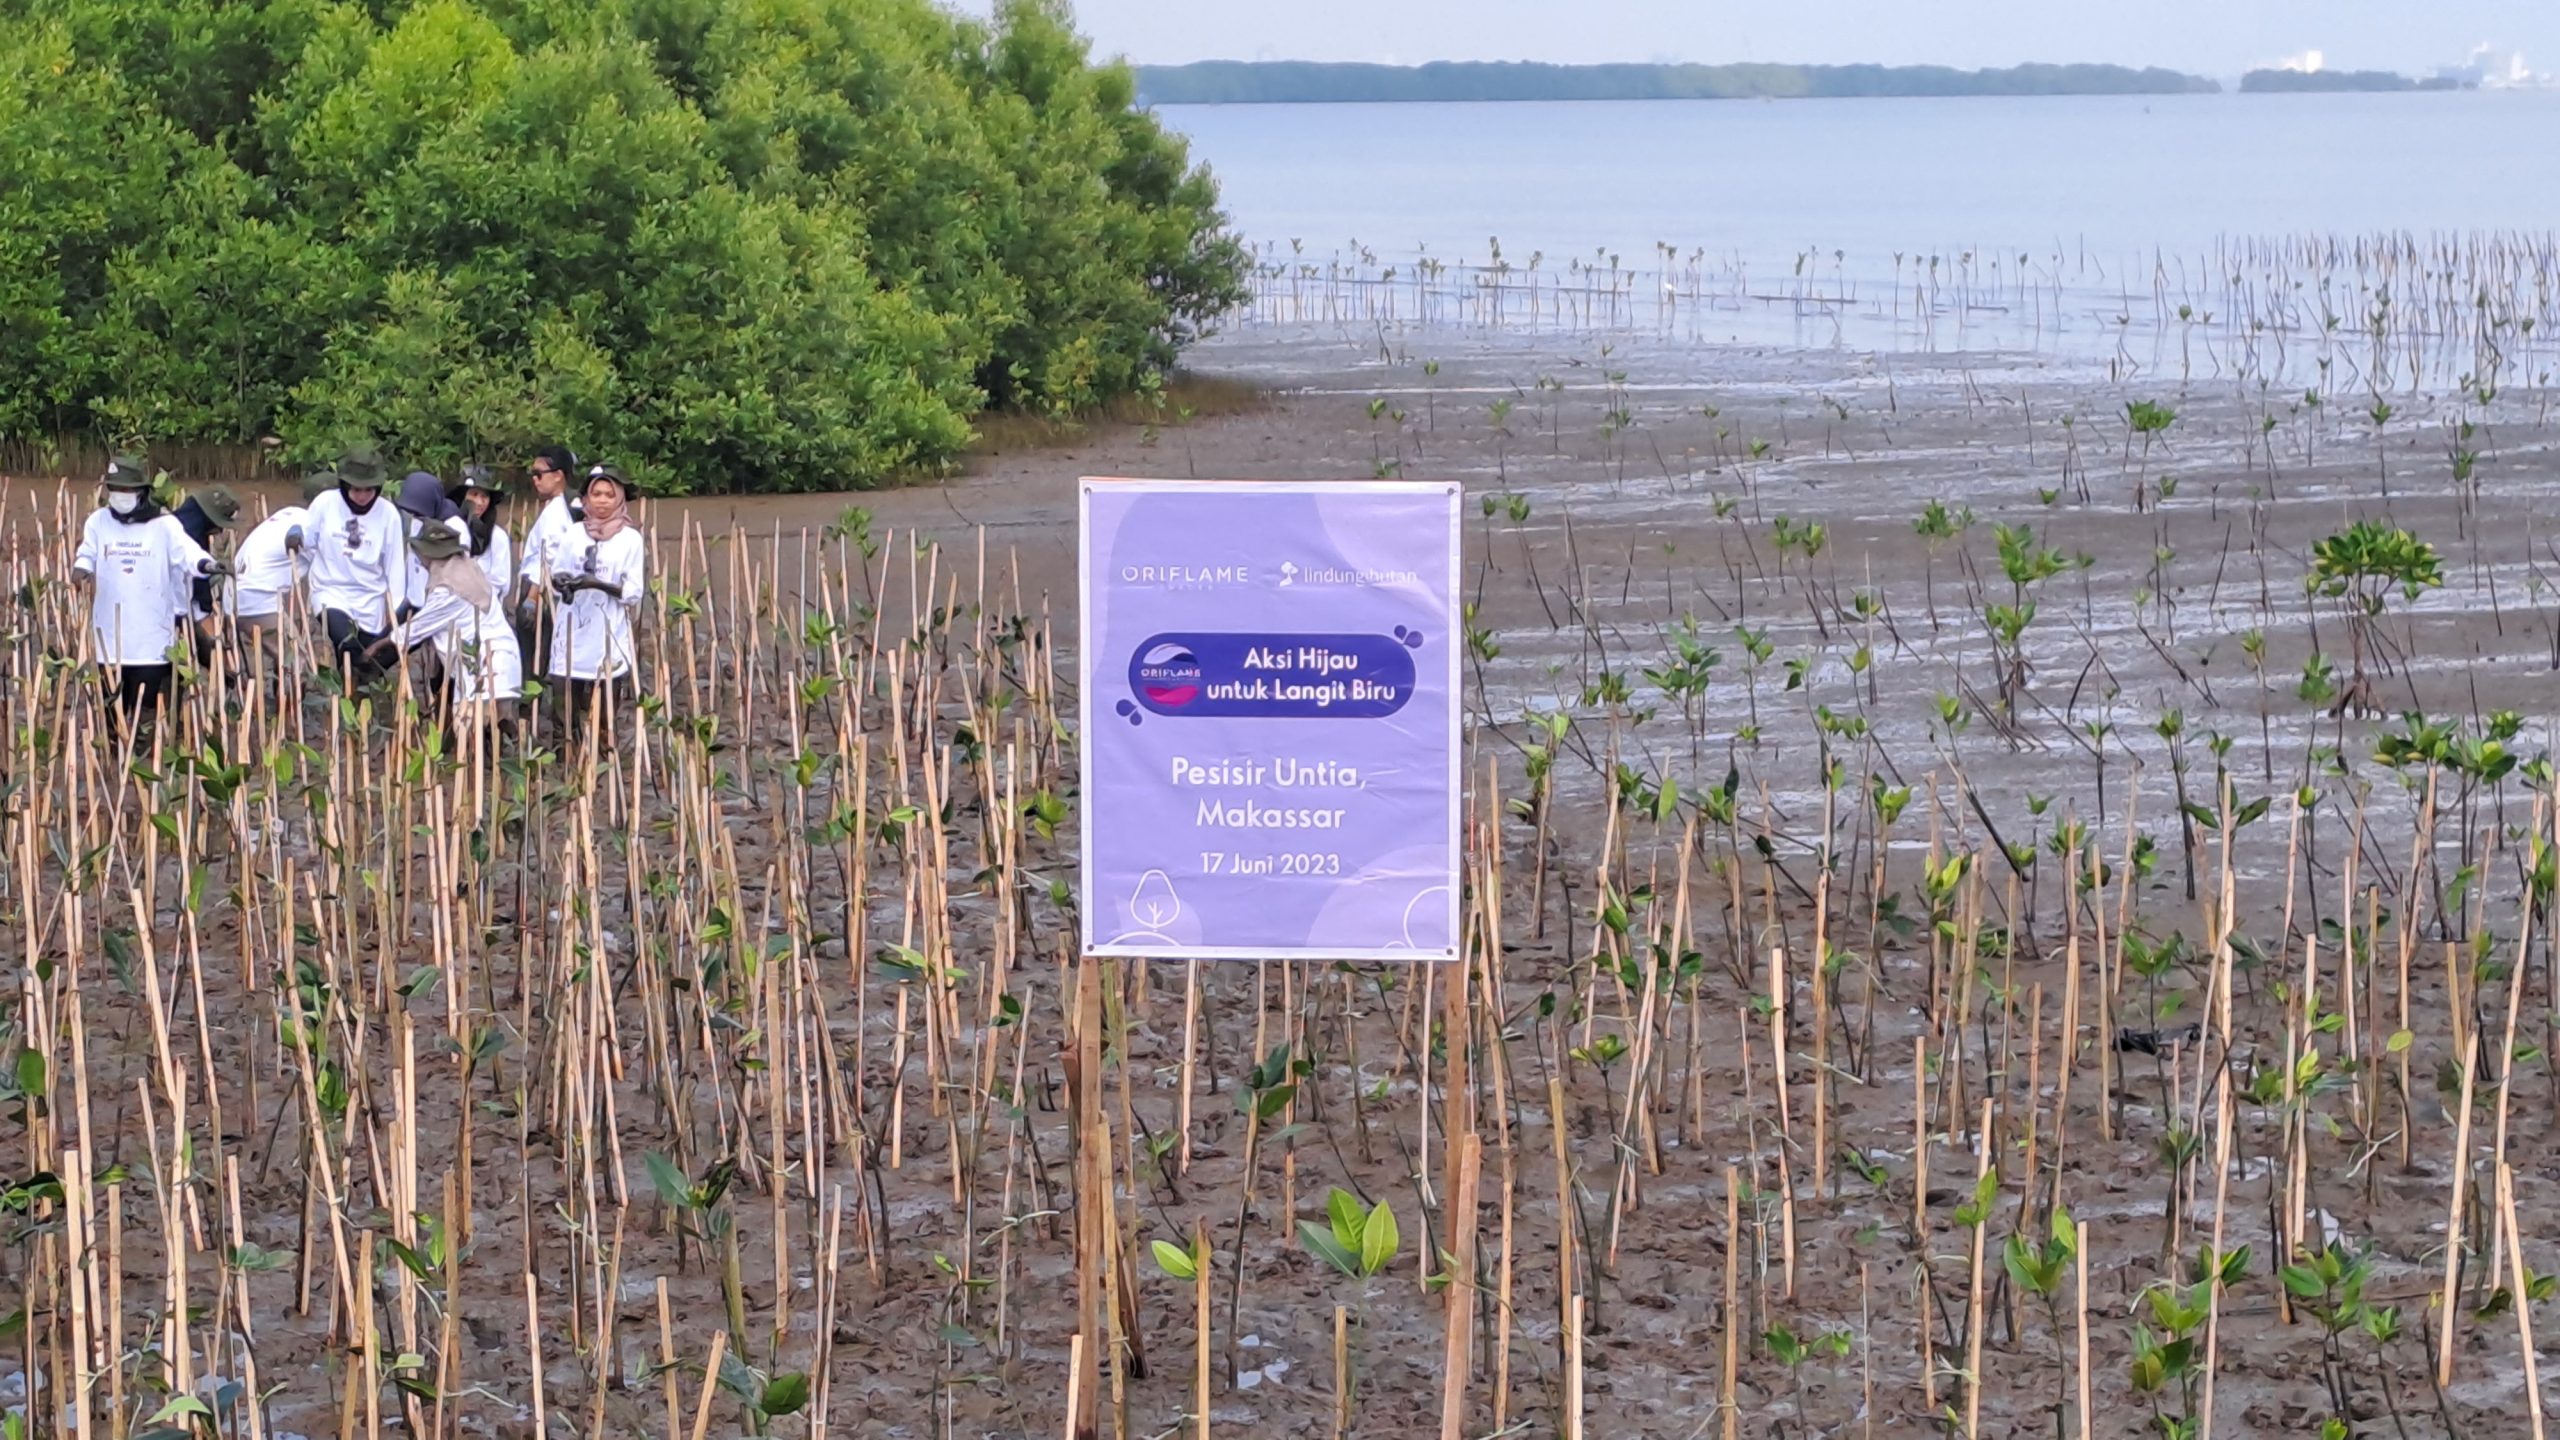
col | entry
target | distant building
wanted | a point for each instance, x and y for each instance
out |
(2491, 68)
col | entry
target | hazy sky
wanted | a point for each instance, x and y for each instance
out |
(2212, 37)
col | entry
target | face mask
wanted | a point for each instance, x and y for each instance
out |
(123, 502)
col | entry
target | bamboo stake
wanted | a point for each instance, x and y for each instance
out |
(710, 1384)
(1729, 1399)
(2450, 1298)
(1974, 1295)
(2080, 1316)
(2517, 1274)
(1200, 1319)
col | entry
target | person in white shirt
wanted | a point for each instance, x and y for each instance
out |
(358, 549)
(477, 494)
(268, 565)
(598, 573)
(141, 565)
(204, 515)
(422, 500)
(461, 617)
(555, 515)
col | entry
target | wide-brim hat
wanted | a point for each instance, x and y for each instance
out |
(127, 472)
(219, 506)
(435, 542)
(361, 469)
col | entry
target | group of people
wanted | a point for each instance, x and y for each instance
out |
(426, 579)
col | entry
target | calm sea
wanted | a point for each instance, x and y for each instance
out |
(1765, 181)
(2133, 231)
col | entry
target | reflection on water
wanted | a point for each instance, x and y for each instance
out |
(2378, 313)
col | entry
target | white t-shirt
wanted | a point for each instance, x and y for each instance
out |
(139, 593)
(266, 567)
(478, 647)
(498, 562)
(591, 635)
(552, 529)
(359, 563)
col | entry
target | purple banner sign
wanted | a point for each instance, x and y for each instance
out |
(1270, 704)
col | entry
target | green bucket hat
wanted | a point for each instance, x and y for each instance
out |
(127, 472)
(219, 506)
(435, 542)
(361, 469)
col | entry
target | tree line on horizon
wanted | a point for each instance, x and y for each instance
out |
(1211, 82)
(1247, 82)
(733, 244)
(2312, 82)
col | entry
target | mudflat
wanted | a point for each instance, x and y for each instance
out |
(1914, 798)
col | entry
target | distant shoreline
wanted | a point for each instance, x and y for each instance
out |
(1307, 82)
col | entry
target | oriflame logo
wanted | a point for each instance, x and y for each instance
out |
(1187, 577)
(1170, 675)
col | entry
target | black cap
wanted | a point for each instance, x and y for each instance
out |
(480, 478)
(127, 472)
(607, 472)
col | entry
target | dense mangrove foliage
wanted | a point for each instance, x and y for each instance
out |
(741, 244)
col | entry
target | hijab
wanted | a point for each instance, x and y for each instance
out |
(604, 527)
(422, 496)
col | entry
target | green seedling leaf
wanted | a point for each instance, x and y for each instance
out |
(1378, 1240)
(1349, 1217)
(1176, 1261)
(784, 1395)
(1320, 1242)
